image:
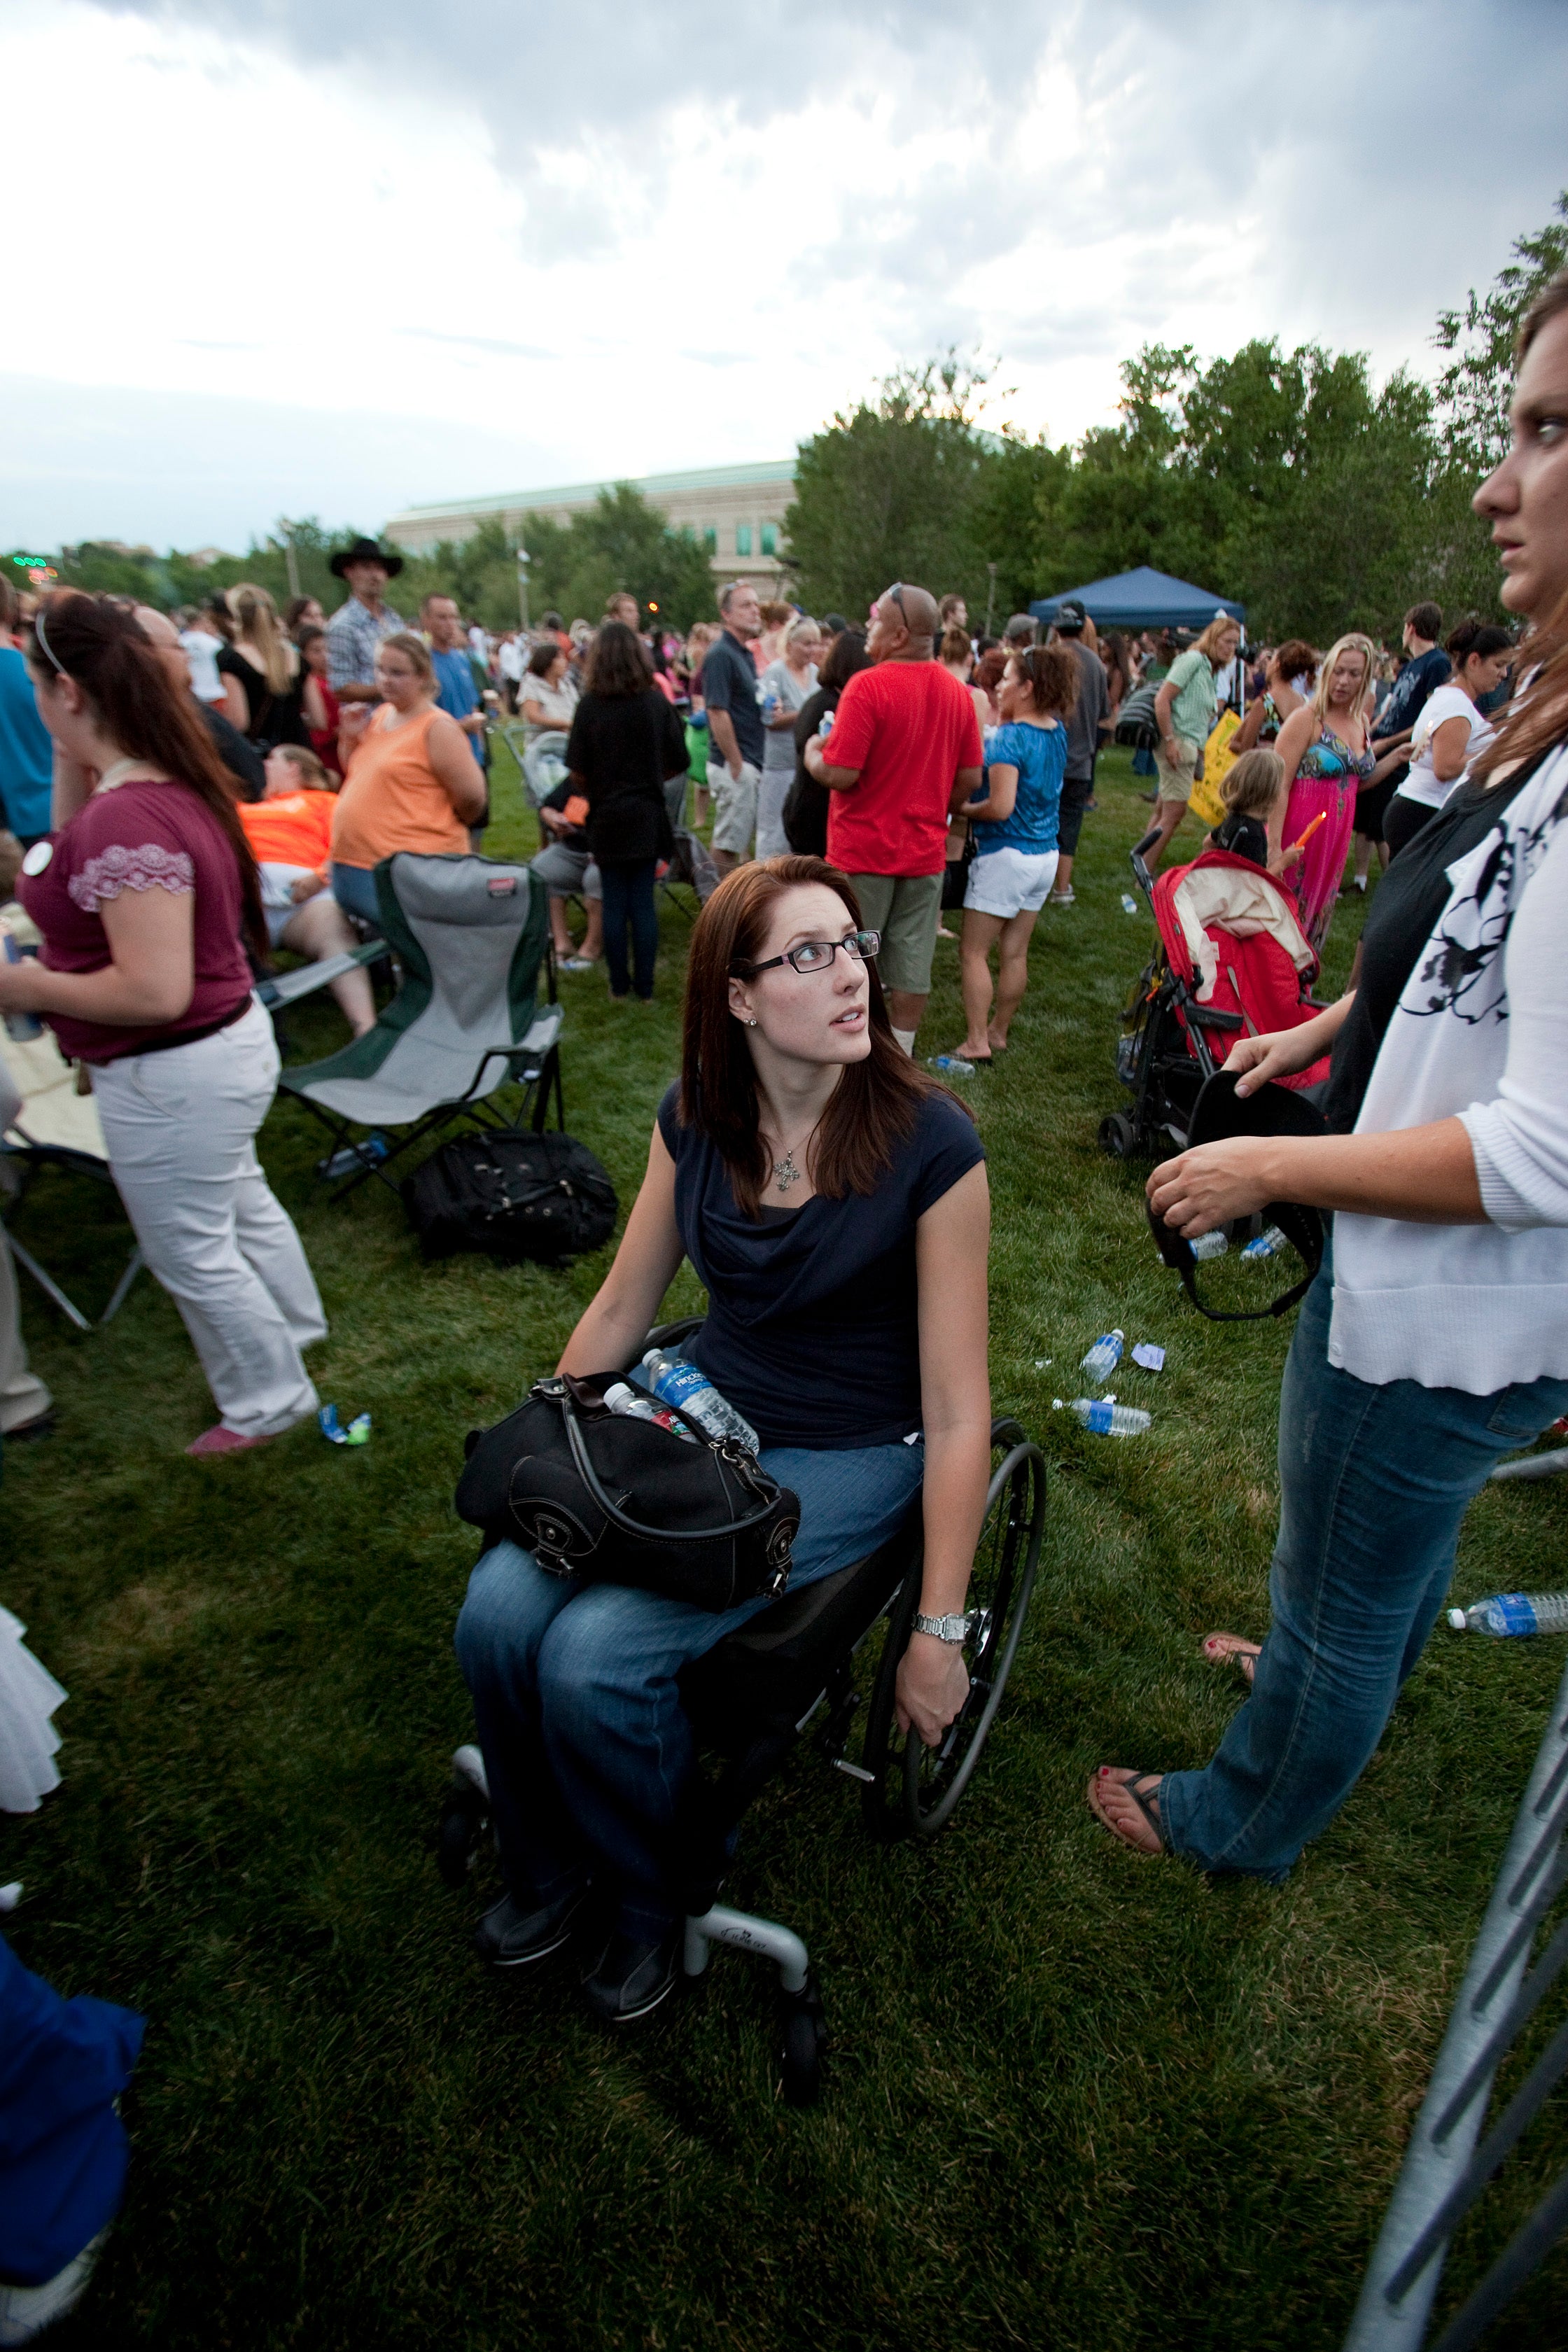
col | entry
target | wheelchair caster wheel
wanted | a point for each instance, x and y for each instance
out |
(459, 1830)
(805, 2039)
(1117, 1135)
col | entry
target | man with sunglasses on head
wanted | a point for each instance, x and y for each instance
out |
(904, 751)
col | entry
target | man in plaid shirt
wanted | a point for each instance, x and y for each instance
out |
(357, 627)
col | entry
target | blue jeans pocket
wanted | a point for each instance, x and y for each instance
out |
(1523, 1410)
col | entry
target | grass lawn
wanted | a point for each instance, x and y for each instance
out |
(1075, 2098)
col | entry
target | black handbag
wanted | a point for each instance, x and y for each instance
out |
(621, 1501)
(518, 1196)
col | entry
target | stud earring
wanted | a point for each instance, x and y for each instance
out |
(751, 1023)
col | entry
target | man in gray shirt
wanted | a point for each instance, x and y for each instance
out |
(1083, 742)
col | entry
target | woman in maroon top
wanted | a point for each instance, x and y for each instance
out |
(142, 893)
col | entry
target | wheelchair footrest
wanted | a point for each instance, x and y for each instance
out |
(746, 1933)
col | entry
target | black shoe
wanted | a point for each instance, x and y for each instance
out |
(1150, 797)
(509, 1937)
(629, 1977)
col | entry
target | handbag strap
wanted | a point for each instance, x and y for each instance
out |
(623, 1519)
(1304, 1227)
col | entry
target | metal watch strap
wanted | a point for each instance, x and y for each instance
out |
(954, 1627)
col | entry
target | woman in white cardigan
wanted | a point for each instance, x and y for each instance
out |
(1436, 1337)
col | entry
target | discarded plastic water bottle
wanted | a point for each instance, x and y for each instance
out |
(951, 1066)
(350, 1156)
(1513, 1613)
(1268, 1244)
(1104, 1357)
(623, 1399)
(20, 1027)
(1208, 1246)
(693, 1395)
(1128, 903)
(1109, 1419)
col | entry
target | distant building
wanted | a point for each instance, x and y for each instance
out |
(735, 512)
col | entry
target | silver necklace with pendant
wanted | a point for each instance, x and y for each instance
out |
(785, 1172)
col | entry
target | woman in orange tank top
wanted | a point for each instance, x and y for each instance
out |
(411, 783)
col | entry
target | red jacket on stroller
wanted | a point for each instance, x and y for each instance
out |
(1230, 930)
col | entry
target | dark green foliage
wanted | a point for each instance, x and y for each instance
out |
(889, 491)
(1076, 2102)
(1473, 388)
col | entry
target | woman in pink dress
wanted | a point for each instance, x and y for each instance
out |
(1328, 759)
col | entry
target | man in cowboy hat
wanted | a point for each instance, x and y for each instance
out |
(357, 627)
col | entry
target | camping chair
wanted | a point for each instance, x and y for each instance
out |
(470, 934)
(692, 868)
(279, 990)
(55, 1127)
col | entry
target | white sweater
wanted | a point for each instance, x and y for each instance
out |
(1481, 1033)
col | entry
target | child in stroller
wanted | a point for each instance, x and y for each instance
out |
(1232, 957)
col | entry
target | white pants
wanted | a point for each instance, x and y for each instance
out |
(771, 794)
(23, 1396)
(181, 1127)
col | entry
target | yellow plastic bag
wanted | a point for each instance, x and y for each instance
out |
(1205, 802)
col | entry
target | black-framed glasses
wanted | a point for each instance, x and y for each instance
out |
(816, 955)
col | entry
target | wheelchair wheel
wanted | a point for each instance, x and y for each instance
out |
(459, 1830)
(805, 2039)
(916, 1793)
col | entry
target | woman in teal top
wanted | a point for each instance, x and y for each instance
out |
(1015, 840)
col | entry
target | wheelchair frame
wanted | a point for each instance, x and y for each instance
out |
(906, 1790)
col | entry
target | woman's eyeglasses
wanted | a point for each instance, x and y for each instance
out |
(816, 955)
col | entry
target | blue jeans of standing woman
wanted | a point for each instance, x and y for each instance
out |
(628, 898)
(353, 888)
(1374, 1484)
(587, 1749)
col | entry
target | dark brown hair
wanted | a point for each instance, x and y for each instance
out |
(619, 662)
(1051, 675)
(876, 1102)
(1552, 298)
(1295, 658)
(99, 642)
(1475, 636)
(543, 660)
(955, 646)
(847, 656)
(1427, 620)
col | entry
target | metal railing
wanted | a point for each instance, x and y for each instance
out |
(1443, 2170)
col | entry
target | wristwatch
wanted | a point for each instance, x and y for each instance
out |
(954, 1627)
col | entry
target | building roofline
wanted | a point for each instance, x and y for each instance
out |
(708, 477)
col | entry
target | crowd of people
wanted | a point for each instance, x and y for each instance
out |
(181, 801)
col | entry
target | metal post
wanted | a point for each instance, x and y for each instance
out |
(990, 599)
(523, 564)
(291, 558)
(1455, 2105)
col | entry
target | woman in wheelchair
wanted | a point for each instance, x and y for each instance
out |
(833, 1200)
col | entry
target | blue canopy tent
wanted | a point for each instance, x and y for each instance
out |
(1144, 599)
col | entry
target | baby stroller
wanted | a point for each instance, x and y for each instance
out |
(1232, 957)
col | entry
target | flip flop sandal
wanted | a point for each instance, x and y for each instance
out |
(1134, 1789)
(1221, 1648)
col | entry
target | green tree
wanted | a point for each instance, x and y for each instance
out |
(620, 541)
(889, 491)
(1473, 388)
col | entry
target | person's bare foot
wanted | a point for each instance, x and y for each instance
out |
(1220, 1647)
(969, 1053)
(1126, 1803)
(997, 1044)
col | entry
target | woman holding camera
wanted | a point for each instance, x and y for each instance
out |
(833, 1200)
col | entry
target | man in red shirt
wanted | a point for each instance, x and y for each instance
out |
(904, 750)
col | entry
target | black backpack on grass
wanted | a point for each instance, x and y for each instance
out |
(513, 1196)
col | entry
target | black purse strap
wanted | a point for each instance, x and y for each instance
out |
(1303, 1228)
(739, 1460)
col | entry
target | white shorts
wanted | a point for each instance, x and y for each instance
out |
(1009, 882)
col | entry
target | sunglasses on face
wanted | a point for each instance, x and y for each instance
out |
(816, 955)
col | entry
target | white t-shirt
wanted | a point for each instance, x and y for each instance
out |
(202, 652)
(1423, 783)
(509, 660)
(1480, 1033)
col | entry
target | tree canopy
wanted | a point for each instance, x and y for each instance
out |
(1285, 479)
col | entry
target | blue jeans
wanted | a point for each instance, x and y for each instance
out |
(628, 898)
(1374, 1484)
(353, 888)
(587, 1747)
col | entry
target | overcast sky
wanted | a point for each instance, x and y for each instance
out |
(321, 257)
